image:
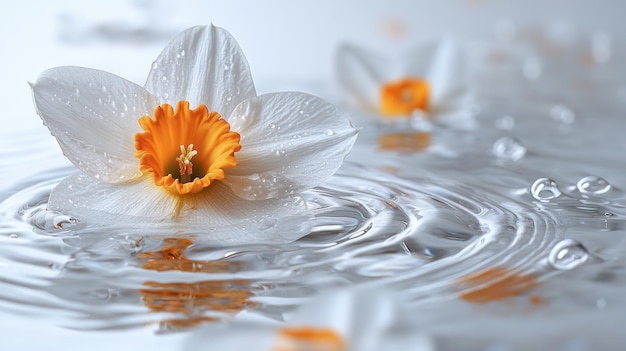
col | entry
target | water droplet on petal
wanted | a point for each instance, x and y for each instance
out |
(329, 132)
(568, 254)
(104, 89)
(545, 189)
(509, 148)
(592, 185)
(164, 78)
(226, 67)
(154, 65)
(13, 236)
(165, 96)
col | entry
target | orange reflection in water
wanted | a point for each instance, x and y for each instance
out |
(309, 339)
(191, 299)
(497, 283)
(405, 141)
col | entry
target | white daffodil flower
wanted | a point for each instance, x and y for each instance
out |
(426, 80)
(195, 145)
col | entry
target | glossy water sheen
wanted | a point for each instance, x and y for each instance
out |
(516, 209)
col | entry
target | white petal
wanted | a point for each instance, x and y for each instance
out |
(441, 63)
(93, 114)
(138, 198)
(203, 65)
(215, 214)
(361, 74)
(290, 142)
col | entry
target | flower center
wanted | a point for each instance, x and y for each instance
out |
(174, 137)
(404, 96)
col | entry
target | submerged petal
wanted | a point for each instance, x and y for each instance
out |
(203, 65)
(290, 142)
(93, 114)
(361, 74)
(216, 213)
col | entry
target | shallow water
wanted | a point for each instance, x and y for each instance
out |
(507, 217)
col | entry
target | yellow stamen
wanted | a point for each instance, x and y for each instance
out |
(404, 96)
(166, 135)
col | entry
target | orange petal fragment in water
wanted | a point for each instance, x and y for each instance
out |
(495, 284)
(403, 97)
(309, 339)
(407, 142)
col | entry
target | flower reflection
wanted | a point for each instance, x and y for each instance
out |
(497, 283)
(427, 80)
(404, 141)
(197, 302)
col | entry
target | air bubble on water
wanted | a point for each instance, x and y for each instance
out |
(568, 254)
(505, 123)
(592, 185)
(545, 189)
(562, 114)
(531, 68)
(509, 148)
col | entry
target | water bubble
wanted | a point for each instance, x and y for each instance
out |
(505, 123)
(154, 65)
(592, 185)
(562, 114)
(568, 254)
(545, 189)
(509, 148)
(532, 68)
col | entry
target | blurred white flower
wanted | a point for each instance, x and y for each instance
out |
(196, 145)
(427, 80)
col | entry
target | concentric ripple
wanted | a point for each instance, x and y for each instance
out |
(419, 235)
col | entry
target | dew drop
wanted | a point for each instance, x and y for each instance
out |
(13, 236)
(226, 67)
(568, 254)
(182, 53)
(154, 65)
(329, 132)
(562, 114)
(164, 78)
(104, 89)
(165, 96)
(592, 185)
(509, 148)
(545, 189)
(229, 98)
(301, 112)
